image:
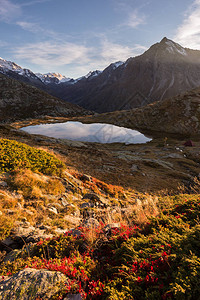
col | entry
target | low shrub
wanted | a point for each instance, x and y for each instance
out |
(15, 155)
(160, 260)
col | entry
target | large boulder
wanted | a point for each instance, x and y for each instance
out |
(29, 284)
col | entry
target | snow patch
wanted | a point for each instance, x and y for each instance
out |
(174, 48)
(116, 64)
(9, 66)
(53, 78)
(93, 74)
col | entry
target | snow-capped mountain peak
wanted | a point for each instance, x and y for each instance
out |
(173, 47)
(116, 64)
(53, 78)
(93, 74)
(9, 65)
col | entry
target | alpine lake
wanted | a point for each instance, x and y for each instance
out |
(95, 132)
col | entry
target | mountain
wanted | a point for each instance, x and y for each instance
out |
(12, 70)
(53, 78)
(19, 101)
(166, 69)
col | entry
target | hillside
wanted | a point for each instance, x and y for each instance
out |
(19, 101)
(67, 235)
(177, 115)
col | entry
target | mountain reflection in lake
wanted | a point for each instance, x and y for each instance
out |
(95, 132)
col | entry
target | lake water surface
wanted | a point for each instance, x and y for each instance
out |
(95, 132)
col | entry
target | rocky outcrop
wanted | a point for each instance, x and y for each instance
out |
(30, 284)
(177, 115)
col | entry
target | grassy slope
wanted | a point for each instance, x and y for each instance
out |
(156, 259)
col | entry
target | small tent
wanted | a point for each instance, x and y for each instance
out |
(188, 143)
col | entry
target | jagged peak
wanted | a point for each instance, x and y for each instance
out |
(93, 73)
(165, 39)
(167, 46)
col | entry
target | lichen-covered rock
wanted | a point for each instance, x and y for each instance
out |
(73, 297)
(28, 284)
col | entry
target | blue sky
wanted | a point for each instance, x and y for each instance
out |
(73, 37)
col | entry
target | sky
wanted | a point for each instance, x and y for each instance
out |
(73, 37)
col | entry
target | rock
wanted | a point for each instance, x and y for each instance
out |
(7, 242)
(91, 222)
(2, 255)
(26, 224)
(9, 211)
(11, 256)
(56, 205)
(110, 226)
(87, 205)
(24, 233)
(59, 231)
(85, 177)
(24, 219)
(29, 284)
(96, 199)
(77, 213)
(28, 212)
(53, 210)
(19, 205)
(174, 155)
(91, 196)
(134, 168)
(3, 184)
(44, 227)
(138, 202)
(73, 220)
(195, 119)
(73, 297)
(75, 232)
(64, 202)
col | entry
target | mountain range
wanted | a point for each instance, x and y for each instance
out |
(165, 70)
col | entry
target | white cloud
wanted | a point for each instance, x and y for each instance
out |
(32, 27)
(77, 59)
(133, 15)
(135, 19)
(112, 52)
(188, 33)
(53, 54)
(36, 28)
(9, 10)
(29, 3)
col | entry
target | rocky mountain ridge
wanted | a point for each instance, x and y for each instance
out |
(25, 75)
(165, 70)
(179, 115)
(19, 101)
